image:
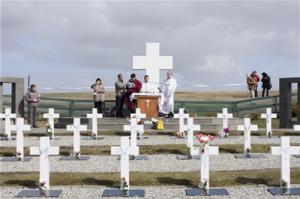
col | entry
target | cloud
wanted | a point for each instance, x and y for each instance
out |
(209, 41)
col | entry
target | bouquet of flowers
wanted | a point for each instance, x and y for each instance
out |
(124, 184)
(180, 134)
(224, 133)
(204, 139)
(77, 155)
(270, 134)
(49, 131)
(19, 156)
(42, 188)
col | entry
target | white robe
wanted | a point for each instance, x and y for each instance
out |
(167, 99)
(148, 87)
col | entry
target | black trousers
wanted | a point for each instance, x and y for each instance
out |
(119, 106)
(265, 91)
(99, 106)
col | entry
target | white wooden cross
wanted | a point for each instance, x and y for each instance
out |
(247, 128)
(51, 116)
(44, 150)
(285, 150)
(134, 128)
(268, 116)
(76, 128)
(296, 127)
(153, 62)
(205, 151)
(95, 115)
(225, 116)
(125, 150)
(190, 128)
(138, 115)
(20, 127)
(181, 116)
(7, 115)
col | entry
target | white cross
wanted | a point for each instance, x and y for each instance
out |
(190, 128)
(44, 150)
(181, 116)
(95, 115)
(76, 128)
(268, 116)
(134, 128)
(147, 102)
(138, 115)
(205, 151)
(285, 150)
(152, 62)
(225, 116)
(20, 127)
(124, 150)
(247, 128)
(8, 126)
(296, 127)
(51, 116)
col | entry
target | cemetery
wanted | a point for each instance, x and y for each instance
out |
(205, 130)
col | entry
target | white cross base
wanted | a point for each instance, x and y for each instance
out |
(152, 62)
(225, 116)
(247, 128)
(44, 150)
(285, 150)
(124, 151)
(181, 116)
(51, 116)
(268, 116)
(7, 115)
(76, 128)
(95, 115)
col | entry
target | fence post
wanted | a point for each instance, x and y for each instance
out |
(276, 104)
(71, 105)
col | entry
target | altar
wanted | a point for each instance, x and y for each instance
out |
(148, 103)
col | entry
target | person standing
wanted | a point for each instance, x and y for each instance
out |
(132, 86)
(167, 99)
(149, 87)
(252, 85)
(257, 80)
(120, 88)
(266, 84)
(33, 98)
(99, 95)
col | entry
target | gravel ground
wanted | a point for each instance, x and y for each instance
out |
(91, 192)
(155, 163)
(146, 140)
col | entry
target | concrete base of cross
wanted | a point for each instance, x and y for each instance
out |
(186, 157)
(246, 156)
(37, 193)
(284, 191)
(136, 157)
(15, 159)
(123, 193)
(206, 192)
(69, 158)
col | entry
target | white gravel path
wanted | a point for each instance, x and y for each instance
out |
(146, 140)
(159, 192)
(155, 163)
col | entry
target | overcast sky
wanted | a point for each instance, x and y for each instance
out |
(66, 45)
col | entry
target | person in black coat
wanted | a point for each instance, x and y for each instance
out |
(266, 84)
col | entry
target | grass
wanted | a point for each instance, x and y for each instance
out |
(269, 177)
(179, 149)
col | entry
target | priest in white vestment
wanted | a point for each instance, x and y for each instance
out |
(149, 87)
(167, 99)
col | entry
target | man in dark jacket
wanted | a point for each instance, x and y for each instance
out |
(133, 86)
(33, 98)
(266, 84)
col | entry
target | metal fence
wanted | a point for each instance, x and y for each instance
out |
(77, 108)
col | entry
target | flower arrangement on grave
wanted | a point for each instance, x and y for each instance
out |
(49, 131)
(248, 152)
(204, 185)
(180, 134)
(224, 133)
(139, 134)
(94, 136)
(77, 155)
(270, 134)
(203, 139)
(124, 183)
(18, 156)
(42, 188)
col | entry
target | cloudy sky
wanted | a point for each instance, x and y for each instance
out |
(66, 45)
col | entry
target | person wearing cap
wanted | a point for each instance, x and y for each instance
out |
(252, 85)
(266, 84)
(33, 98)
(99, 95)
(149, 87)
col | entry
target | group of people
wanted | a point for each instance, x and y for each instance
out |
(253, 81)
(125, 90)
